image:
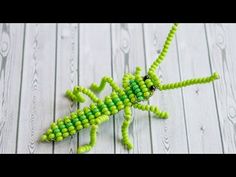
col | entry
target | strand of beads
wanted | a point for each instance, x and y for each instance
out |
(165, 48)
(124, 128)
(190, 82)
(92, 143)
(125, 81)
(153, 109)
(102, 85)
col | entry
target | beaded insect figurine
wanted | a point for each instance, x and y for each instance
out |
(135, 90)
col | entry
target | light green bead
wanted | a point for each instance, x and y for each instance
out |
(51, 136)
(43, 138)
(66, 134)
(64, 130)
(49, 131)
(71, 128)
(72, 132)
(59, 138)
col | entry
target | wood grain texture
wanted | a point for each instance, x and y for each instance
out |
(11, 47)
(37, 97)
(67, 78)
(168, 136)
(199, 102)
(94, 63)
(222, 42)
(128, 53)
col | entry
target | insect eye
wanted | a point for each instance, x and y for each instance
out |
(145, 77)
(152, 88)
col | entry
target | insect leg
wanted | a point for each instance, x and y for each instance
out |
(93, 137)
(125, 127)
(109, 80)
(154, 109)
(76, 96)
(189, 82)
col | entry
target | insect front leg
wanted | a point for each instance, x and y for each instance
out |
(154, 109)
(125, 127)
(189, 82)
(76, 96)
(93, 138)
(109, 80)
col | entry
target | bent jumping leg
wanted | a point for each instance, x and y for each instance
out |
(154, 109)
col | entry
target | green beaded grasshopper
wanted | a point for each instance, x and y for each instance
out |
(136, 89)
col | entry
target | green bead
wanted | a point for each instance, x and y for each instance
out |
(95, 110)
(75, 120)
(72, 132)
(104, 110)
(92, 121)
(66, 134)
(58, 134)
(140, 98)
(67, 120)
(120, 107)
(54, 126)
(133, 99)
(116, 100)
(79, 127)
(82, 117)
(86, 125)
(132, 81)
(77, 123)
(60, 123)
(56, 130)
(137, 91)
(110, 104)
(49, 131)
(51, 136)
(123, 97)
(129, 92)
(91, 117)
(85, 121)
(135, 87)
(102, 106)
(62, 126)
(69, 124)
(97, 114)
(114, 111)
(64, 130)
(139, 94)
(146, 94)
(71, 128)
(59, 138)
(59, 120)
(43, 138)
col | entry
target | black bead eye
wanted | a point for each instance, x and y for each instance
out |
(152, 88)
(145, 77)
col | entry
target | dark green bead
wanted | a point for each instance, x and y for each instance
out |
(135, 87)
(88, 114)
(95, 110)
(123, 97)
(132, 81)
(140, 98)
(82, 117)
(139, 94)
(110, 104)
(56, 130)
(75, 120)
(116, 100)
(69, 124)
(62, 126)
(137, 91)
(102, 106)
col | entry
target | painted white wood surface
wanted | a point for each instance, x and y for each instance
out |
(94, 63)
(37, 97)
(168, 136)
(11, 47)
(128, 53)
(199, 102)
(66, 78)
(222, 42)
(56, 57)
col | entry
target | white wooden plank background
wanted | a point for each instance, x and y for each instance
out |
(39, 62)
